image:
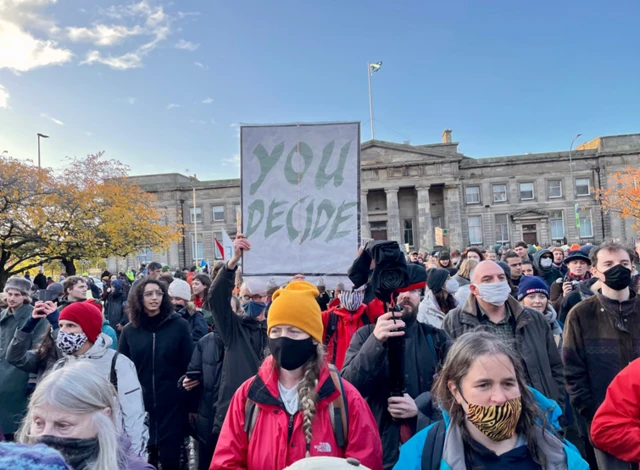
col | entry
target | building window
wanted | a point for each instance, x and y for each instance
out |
(475, 230)
(217, 238)
(145, 256)
(198, 213)
(200, 249)
(556, 224)
(526, 191)
(554, 189)
(436, 222)
(499, 193)
(473, 194)
(586, 223)
(218, 213)
(408, 232)
(583, 187)
(502, 228)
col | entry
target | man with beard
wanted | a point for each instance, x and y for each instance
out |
(366, 366)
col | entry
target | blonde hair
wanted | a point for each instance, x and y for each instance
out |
(79, 389)
(466, 267)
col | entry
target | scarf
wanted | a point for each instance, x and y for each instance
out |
(78, 453)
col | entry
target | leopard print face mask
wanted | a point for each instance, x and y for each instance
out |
(497, 422)
(69, 343)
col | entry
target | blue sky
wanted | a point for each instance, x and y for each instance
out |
(163, 85)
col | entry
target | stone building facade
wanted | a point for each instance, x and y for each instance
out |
(407, 191)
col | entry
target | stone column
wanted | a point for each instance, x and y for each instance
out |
(425, 229)
(452, 214)
(393, 215)
(365, 230)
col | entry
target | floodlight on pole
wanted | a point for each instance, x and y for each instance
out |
(44, 137)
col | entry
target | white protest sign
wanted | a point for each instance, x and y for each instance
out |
(300, 201)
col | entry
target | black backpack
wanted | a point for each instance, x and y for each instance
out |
(332, 331)
(113, 375)
(433, 447)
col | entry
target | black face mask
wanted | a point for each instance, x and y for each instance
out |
(290, 353)
(78, 453)
(618, 277)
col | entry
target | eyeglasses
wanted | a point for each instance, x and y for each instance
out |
(149, 295)
(255, 298)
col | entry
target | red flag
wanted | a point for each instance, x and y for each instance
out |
(220, 248)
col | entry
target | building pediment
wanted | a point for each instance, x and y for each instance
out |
(529, 213)
(376, 152)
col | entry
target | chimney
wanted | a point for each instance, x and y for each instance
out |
(446, 136)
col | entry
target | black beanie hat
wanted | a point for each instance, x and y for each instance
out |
(445, 255)
(436, 279)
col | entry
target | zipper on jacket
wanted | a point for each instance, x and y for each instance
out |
(290, 429)
(153, 382)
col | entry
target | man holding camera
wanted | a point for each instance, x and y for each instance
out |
(399, 413)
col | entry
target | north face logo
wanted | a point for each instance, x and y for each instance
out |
(323, 447)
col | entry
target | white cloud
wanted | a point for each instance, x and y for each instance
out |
(155, 23)
(4, 97)
(21, 52)
(201, 65)
(172, 106)
(104, 35)
(89, 134)
(233, 161)
(186, 45)
(207, 101)
(132, 100)
(185, 14)
(234, 124)
(52, 119)
(213, 121)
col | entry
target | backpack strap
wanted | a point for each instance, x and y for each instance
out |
(338, 410)
(332, 328)
(433, 447)
(113, 375)
(251, 410)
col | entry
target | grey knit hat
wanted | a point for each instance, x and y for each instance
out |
(20, 284)
(56, 288)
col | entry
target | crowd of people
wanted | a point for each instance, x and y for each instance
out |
(487, 359)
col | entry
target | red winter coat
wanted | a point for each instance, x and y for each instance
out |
(348, 324)
(270, 448)
(616, 425)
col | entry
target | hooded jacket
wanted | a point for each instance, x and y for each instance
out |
(348, 324)
(114, 306)
(196, 321)
(161, 355)
(550, 274)
(101, 355)
(534, 341)
(367, 367)
(560, 455)
(244, 338)
(429, 310)
(278, 439)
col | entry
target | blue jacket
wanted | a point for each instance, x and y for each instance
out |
(111, 333)
(453, 452)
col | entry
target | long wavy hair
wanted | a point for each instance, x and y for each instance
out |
(466, 349)
(205, 280)
(135, 301)
(307, 391)
(79, 389)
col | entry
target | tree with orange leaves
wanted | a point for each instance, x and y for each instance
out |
(86, 210)
(622, 197)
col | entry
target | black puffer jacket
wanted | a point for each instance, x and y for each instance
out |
(114, 307)
(161, 350)
(245, 342)
(207, 358)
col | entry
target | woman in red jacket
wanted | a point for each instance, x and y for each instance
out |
(616, 426)
(282, 415)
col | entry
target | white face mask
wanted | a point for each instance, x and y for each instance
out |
(546, 262)
(452, 286)
(495, 293)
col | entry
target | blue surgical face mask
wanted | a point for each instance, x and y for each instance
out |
(254, 309)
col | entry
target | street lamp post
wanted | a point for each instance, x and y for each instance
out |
(573, 186)
(44, 137)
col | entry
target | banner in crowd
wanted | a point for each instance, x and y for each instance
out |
(300, 200)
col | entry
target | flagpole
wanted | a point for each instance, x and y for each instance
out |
(370, 100)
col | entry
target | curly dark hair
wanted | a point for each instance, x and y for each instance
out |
(135, 301)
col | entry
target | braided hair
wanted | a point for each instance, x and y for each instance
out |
(307, 392)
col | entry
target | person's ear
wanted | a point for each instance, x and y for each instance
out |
(107, 411)
(453, 388)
